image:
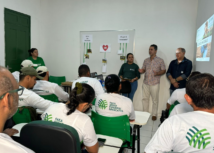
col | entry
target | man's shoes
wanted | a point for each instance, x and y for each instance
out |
(154, 118)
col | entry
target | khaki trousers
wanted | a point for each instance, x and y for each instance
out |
(154, 92)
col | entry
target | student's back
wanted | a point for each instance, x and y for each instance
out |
(112, 104)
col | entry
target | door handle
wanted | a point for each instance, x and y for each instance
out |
(8, 67)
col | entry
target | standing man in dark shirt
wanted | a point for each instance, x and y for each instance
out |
(179, 70)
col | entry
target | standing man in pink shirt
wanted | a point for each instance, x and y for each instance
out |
(153, 67)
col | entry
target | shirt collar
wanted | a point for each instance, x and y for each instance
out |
(184, 60)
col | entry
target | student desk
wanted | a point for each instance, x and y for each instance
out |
(67, 86)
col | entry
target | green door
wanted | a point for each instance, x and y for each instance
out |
(17, 38)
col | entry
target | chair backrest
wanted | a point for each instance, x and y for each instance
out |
(50, 137)
(93, 74)
(51, 97)
(118, 127)
(22, 116)
(94, 101)
(57, 79)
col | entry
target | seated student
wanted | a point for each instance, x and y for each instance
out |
(8, 107)
(112, 103)
(84, 74)
(180, 109)
(28, 77)
(193, 131)
(72, 114)
(178, 94)
(47, 87)
(25, 63)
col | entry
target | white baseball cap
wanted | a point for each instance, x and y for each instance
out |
(42, 69)
(28, 63)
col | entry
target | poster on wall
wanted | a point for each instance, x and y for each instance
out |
(87, 38)
(105, 48)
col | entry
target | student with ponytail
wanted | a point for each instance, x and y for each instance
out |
(72, 114)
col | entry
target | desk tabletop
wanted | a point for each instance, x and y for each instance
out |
(38, 111)
(141, 118)
(18, 127)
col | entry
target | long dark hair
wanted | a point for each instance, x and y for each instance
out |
(82, 93)
(31, 51)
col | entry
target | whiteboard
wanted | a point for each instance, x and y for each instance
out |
(94, 40)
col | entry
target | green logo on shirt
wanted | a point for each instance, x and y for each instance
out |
(102, 104)
(198, 138)
(48, 117)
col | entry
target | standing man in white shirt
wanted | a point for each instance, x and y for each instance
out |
(28, 77)
(84, 77)
(193, 131)
(153, 67)
(8, 107)
(25, 63)
(48, 88)
(112, 103)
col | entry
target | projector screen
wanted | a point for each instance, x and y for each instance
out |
(204, 40)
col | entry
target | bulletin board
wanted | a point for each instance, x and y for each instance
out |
(104, 51)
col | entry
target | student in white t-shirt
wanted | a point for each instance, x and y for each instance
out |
(72, 114)
(112, 103)
(28, 77)
(84, 77)
(25, 63)
(193, 131)
(8, 107)
(44, 87)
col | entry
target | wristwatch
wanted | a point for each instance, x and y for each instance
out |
(176, 80)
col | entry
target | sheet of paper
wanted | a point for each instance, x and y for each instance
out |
(123, 38)
(105, 48)
(87, 38)
(120, 52)
(104, 68)
(19, 128)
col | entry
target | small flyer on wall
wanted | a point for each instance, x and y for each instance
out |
(105, 48)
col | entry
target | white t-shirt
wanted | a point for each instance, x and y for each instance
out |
(30, 98)
(111, 104)
(50, 88)
(94, 83)
(78, 120)
(16, 75)
(8, 145)
(178, 95)
(188, 132)
(181, 108)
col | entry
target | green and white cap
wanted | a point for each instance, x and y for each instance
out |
(42, 69)
(28, 63)
(30, 71)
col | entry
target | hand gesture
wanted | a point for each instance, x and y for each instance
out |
(176, 85)
(140, 70)
(10, 132)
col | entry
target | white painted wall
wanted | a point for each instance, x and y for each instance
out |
(56, 25)
(29, 7)
(169, 24)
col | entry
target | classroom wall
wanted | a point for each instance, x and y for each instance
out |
(29, 7)
(205, 11)
(169, 24)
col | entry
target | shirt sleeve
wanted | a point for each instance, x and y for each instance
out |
(89, 135)
(62, 95)
(144, 65)
(173, 98)
(132, 114)
(137, 73)
(162, 141)
(121, 71)
(187, 70)
(36, 101)
(98, 88)
(168, 73)
(163, 67)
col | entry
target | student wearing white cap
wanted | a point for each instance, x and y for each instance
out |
(28, 77)
(25, 63)
(48, 88)
(84, 77)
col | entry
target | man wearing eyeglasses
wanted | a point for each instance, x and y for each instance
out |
(27, 80)
(8, 107)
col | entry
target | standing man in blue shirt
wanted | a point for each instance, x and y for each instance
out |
(179, 70)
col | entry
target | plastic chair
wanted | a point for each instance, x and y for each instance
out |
(51, 97)
(57, 79)
(93, 102)
(118, 127)
(172, 106)
(22, 116)
(50, 137)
